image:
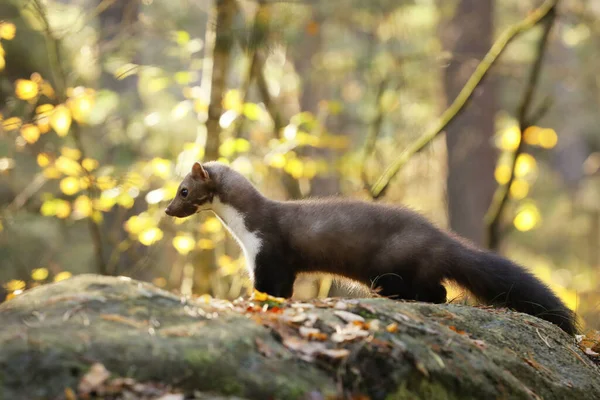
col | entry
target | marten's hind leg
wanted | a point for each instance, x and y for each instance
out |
(431, 293)
(393, 286)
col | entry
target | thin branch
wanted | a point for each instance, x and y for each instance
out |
(465, 94)
(500, 199)
(55, 56)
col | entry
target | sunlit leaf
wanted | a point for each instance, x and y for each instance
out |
(290, 131)
(519, 189)
(89, 164)
(527, 218)
(81, 104)
(39, 274)
(510, 138)
(155, 196)
(548, 138)
(82, 207)
(170, 190)
(63, 209)
(161, 167)
(70, 152)
(26, 89)
(206, 244)
(6, 164)
(125, 200)
(31, 133)
(68, 166)
(524, 165)
(241, 145)
(211, 225)
(183, 244)
(106, 182)
(69, 185)
(532, 135)
(159, 281)
(252, 111)
(2, 61)
(227, 118)
(294, 167)
(7, 30)
(310, 169)
(11, 124)
(150, 236)
(183, 77)
(233, 100)
(60, 120)
(105, 202)
(125, 71)
(61, 276)
(502, 174)
(277, 161)
(181, 37)
(47, 90)
(51, 172)
(14, 284)
(139, 223)
(227, 148)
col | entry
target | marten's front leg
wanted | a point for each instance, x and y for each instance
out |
(273, 275)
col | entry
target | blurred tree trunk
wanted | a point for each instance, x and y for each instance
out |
(205, 261)
(314, 90)
(471, 156)
(116, 33)
(224, 40)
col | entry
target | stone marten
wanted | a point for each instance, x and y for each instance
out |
(391, 249)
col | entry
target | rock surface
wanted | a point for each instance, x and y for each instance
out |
(134, 333)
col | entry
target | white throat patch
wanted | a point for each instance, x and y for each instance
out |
(233, 220)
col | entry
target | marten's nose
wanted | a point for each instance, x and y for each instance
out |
(168, 211)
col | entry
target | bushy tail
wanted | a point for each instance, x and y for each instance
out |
(498, 281)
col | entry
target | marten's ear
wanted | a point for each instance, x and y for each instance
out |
(198, 172)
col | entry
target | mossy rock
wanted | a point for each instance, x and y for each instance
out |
(51, 335)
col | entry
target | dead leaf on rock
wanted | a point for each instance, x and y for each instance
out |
(455, 329)
(312, 333)
(348, 316)
(340, 305)
(70, 394)
(124, 320)
(392, 328)
(307, 349)
(348, 332)
(335, 354)
(95, 377)
(263, 348)
(480, 343)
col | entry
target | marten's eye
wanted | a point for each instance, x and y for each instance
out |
(184, 192)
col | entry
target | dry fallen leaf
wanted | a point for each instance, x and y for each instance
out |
(348, 316)
(335, 353)
(263, 348)
(392, 328)
(95, 377)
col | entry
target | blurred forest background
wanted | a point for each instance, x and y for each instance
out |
(105, 105)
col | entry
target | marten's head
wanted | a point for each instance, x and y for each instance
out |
(195, 192)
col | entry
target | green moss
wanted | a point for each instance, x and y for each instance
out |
(424, 389)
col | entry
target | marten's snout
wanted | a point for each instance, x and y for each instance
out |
(169, 211)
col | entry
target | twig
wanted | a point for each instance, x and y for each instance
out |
(60, 76)
(451, 112)
(499, 201)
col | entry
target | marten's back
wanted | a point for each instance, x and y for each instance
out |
(355, 235)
